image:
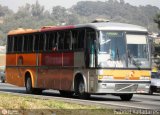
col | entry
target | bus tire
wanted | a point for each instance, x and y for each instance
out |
(2, 79)
(30, 89)
(126, 97)
(66, 93)
(81, 90)
(28, 85)
(37, 91)
(150, 91)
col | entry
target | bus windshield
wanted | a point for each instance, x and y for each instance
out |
(112, 49)
(138, 51)
(121, 50)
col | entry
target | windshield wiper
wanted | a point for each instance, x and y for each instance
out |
(117, 52)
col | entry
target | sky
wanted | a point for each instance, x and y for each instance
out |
(14, 4)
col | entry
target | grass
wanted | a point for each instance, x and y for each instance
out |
(28, 104)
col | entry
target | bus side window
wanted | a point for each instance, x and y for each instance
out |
(49, 41)
(67, 40)
(41, 42)
(78, 39)
(61, 36)
(30, 43)
(54, 42)
(47, 36)
(90, 51)
(74, 39)
(25, 47)
(19, 44)
(15, 44)
(36, 43)
(81, 36)
(10, 44)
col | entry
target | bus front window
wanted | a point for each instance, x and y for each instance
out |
(138, 51)
(112, 50)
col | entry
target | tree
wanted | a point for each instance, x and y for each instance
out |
(157, 20)
(59, 14)
(37, 9)
(5, 11)
(23, 11)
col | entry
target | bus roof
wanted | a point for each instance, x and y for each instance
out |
(51, 28)
(113, 26)
(21, 31)
(110, 26)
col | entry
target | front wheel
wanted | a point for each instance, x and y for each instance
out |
(81, 91)
(126, 97)
(66, 93)
(150, 91)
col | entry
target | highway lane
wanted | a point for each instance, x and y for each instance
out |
(109, 101)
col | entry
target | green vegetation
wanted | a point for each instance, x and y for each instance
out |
(157, 20)
(34, 105)
(35, 16)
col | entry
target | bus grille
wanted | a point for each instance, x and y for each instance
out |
(126, 87)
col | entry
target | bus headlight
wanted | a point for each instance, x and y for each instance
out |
(105, 77)
(144, 78)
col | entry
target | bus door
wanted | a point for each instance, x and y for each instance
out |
(90, 48)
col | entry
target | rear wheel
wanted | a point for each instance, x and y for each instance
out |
(2, 79)
(37, 91)
(126, 97)
(30, 89)
(28, 85)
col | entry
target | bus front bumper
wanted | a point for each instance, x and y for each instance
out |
(121, 87)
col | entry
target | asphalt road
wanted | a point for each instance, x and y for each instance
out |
(151, 102)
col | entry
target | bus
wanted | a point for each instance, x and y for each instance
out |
(81, 60)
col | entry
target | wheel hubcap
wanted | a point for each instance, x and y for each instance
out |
(81, 88)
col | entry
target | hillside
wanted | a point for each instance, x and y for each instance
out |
(35, 16)
(118, 12)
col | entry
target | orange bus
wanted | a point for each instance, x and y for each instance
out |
(84, 59)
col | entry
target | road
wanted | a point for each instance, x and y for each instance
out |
(109, 101)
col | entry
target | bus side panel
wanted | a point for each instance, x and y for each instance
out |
(10, 59)
(66, 79)
(51, 59)
(10, 69)
(48, 78)
(56, 71)
(68, 59)
(27, 59)
(79, 60)
(15, 76)
(18, 65)
(48, 74)
(67, 72)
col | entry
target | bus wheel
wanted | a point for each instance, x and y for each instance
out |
(81, 90)
(28, 85)
(37, 91)
(126, 97)
(66, 93)
(150, 91)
